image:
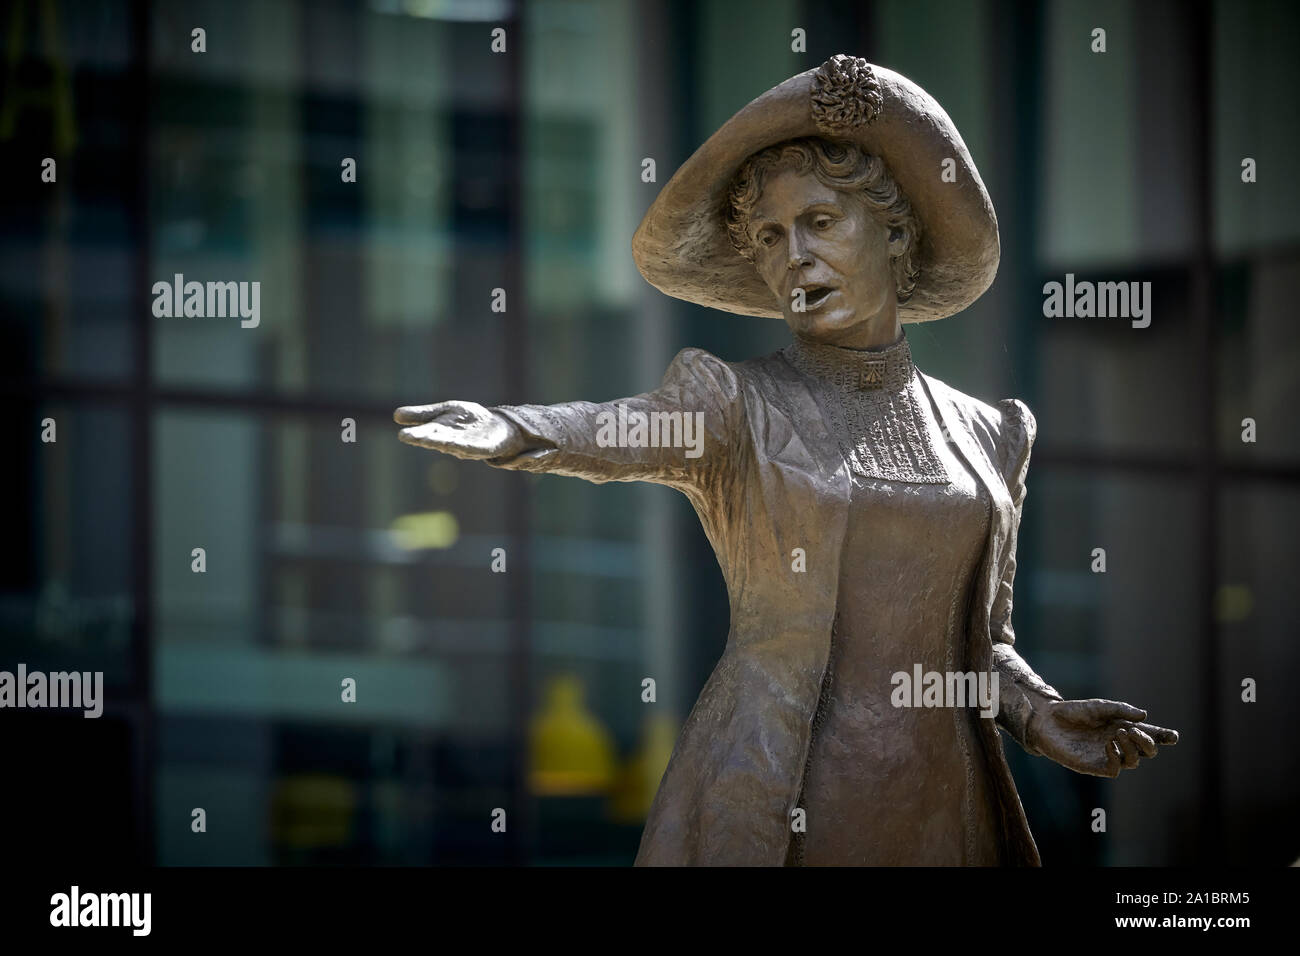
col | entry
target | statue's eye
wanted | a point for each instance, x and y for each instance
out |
(767, 237)
(823, 222)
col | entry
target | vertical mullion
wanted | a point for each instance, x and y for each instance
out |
(518, 505)
(1203, 282)
(142, 715)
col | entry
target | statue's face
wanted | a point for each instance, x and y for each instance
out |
(809, 236)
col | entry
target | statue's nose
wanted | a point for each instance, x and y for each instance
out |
(798, 257)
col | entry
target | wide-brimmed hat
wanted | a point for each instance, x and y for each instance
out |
(683, 248)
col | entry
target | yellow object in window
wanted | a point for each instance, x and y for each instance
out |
(638, 780)
(313, 811)
(571, 753)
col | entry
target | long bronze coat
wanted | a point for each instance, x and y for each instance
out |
(772, 478)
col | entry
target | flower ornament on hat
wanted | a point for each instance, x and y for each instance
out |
(845, 95)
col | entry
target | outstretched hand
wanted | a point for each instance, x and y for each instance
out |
(1098, 737)
(463, 429)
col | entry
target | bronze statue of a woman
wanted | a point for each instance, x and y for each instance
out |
(864, 514)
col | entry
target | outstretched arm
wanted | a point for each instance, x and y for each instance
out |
(680, 434)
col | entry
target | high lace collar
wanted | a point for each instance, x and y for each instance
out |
(854, 370)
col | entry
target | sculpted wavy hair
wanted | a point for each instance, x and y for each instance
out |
(841, 166)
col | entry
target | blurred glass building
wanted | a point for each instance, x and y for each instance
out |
(520, 696)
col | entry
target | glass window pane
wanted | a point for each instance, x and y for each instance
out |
(368, 285)
(1256, 623)
(1105, 385)
(1131, 634)
(326, 559)
(1254, 65)
(69, 278)
(67, 600)
(1257, 361)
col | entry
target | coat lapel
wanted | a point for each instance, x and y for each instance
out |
(959, 431)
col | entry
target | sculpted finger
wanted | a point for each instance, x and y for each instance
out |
(1145, 743)
(1115, 710)
(417, 435)
(1114, 759)
(1128, 749)
(418, 414)
(1095, 712)
(433, 435)
(1161, 735)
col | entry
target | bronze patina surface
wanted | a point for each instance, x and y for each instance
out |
(864, 514)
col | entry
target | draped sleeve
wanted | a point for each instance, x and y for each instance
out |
(1020, 687)
(693, 418)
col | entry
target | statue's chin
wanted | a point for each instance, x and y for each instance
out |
(822, 325)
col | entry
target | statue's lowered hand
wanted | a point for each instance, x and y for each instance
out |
(463, 429)
(1098, 737)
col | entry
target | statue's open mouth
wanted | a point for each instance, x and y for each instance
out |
(815, 295)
